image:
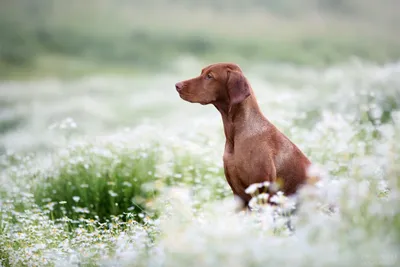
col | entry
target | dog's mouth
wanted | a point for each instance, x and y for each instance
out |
(182, 95)
(189, 98)
(186, 97)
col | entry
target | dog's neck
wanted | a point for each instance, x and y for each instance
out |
(235, 118)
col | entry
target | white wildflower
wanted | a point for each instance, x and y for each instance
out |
(112, 193)
(252, 189)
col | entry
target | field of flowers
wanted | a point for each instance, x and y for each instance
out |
(119, 171)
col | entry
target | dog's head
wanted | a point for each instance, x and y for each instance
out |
(217, 82)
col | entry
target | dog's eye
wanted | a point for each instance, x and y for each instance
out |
(209, 76)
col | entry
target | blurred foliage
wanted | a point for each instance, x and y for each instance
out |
(151, 34)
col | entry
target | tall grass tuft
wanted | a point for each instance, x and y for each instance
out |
(97, 182)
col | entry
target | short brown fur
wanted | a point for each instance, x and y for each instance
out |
(255, 150)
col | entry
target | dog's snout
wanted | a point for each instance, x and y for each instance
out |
(179, 86)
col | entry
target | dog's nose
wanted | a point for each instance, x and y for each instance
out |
(179, 86)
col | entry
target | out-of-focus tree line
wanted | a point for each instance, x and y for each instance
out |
(151, 33)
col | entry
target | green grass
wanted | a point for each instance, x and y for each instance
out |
(98, 183)
(108, 184)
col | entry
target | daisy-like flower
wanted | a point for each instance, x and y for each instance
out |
(263, 197)
(266, 184)
(278, 198)
(252, 189)
(112, 193)
(253, 203)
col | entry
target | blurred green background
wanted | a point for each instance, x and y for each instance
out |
(71, 38)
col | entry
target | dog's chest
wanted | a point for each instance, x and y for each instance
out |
(232, 173)
(237, 166)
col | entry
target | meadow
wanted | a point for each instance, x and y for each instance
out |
(78, 190)
(102, 164)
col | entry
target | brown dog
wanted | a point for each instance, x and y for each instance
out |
(255, 150)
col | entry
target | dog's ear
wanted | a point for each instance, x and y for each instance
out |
(237, 86)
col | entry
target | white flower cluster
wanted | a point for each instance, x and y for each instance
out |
(187, 215)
